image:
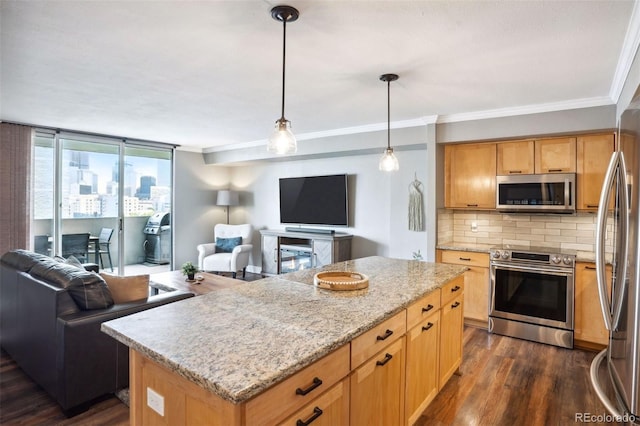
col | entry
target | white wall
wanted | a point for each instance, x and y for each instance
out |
(378, 201)
(195, 212)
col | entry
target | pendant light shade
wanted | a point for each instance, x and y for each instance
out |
(282, 140)
(388, 161)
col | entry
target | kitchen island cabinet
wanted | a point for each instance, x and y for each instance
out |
(279, 349)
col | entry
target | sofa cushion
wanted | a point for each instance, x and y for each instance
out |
(226, 245)
(127, 289)
(87, 289)
(22, 260)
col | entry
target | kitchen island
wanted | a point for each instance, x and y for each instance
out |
(272, 350)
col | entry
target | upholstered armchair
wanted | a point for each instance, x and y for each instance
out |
(230, 252)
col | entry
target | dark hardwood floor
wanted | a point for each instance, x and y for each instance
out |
(503, 381)
(506, 381)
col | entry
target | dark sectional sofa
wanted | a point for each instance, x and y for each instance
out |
(50, 317)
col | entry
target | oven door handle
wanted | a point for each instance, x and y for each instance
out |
(539, 269)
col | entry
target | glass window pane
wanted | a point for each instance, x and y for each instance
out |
(89, 179)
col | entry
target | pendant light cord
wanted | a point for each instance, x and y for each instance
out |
(284, 55)
(388, 114)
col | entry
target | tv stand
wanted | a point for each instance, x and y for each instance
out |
(292, 250)
(310, 230)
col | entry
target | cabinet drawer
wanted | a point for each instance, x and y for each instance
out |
(452, 289)
(467, 258)
(299, 389)
(365, 346)
(423, 308)
(330, 408)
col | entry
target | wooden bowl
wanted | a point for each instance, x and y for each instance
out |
(341, 280)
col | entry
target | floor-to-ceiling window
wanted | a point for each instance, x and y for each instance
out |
(105, 188)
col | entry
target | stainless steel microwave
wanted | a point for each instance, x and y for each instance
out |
(544, 193)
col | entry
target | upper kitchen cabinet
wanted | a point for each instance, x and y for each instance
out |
(592, 160)
(470, 176)
(515, 158)
(556, 155)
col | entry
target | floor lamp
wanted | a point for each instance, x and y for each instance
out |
(227, 198)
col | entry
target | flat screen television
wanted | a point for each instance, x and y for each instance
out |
(314, 200)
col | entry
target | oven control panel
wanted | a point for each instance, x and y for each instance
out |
(532, 257)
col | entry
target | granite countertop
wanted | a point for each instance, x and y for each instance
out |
(238, 342)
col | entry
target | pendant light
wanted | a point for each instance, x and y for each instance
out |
(388, 161)
(282, 140)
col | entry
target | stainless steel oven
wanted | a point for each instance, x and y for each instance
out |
(532, 295)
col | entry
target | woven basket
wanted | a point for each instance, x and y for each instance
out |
(340, 280)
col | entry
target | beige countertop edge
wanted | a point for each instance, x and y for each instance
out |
(240, 396)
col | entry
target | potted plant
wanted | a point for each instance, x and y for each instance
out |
(189, 270)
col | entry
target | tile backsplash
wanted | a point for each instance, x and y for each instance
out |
(564, 232)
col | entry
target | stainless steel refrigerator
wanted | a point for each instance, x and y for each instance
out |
(618, 243)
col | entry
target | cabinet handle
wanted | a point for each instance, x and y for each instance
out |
(466, 259)
(455, 305)
(316, 382)
(591, 268)
(592, 206)
(427, 327)
(472, 205)
(386, 359)
(385, 336)
(515, 171)
(456, 288)
(554, 170)
(275, 255)
(427, 308)
(317, 412)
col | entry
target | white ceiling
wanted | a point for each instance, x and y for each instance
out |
(205, 74)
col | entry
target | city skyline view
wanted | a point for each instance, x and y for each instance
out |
(90, 184)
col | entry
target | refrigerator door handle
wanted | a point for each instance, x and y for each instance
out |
(621, 263)
(603, 207)
(595, 382)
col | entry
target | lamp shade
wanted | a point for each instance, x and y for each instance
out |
(227, 198)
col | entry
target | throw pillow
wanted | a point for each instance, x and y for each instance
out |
(226, 245)
(127, 289)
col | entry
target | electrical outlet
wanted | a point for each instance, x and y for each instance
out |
(474, 227)
(155, 401)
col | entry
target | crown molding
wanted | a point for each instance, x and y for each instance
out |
(527, 109)
(627, 54)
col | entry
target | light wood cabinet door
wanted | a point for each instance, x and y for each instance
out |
(422, 366)
(299, 389)
(451, 325)
(470, 176)
(515, 158)
(476, 283)
(592, 160)
(556, 155)
(588, 322)
(377, 388)
(476, 294)
(329, 409)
